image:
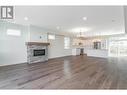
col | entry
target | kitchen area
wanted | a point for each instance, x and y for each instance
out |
(91, 47)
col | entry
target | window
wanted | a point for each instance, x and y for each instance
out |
(51, 37)
(66, 42)
(13, 32)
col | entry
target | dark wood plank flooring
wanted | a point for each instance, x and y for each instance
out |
(80, 72)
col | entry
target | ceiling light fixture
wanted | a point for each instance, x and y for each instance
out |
(57, 27)
(26, 18)
(85, 18)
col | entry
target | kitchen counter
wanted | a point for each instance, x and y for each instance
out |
(97, 53)
(90, 52)
(76, 51)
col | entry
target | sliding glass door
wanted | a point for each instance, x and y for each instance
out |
(118, 48)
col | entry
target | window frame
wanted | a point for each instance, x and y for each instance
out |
(12, 32)
(66, 42)
(51, 36)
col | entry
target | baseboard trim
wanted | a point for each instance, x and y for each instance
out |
(12, 64)
(34, 63)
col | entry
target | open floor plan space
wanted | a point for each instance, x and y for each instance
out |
(63, 47)
(79, 72)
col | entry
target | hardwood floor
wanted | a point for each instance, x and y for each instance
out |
(78, 72)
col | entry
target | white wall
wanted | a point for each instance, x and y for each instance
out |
(56, 48)
(97, 53)
(37, 34)
(13, 49)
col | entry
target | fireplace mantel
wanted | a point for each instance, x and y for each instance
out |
(38, 43)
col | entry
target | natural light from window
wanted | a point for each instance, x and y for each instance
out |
(66, 43)
(51, 37)
(13, 32)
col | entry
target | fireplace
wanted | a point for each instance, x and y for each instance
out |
(39, 52)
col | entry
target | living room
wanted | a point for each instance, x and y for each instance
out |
(64, 47)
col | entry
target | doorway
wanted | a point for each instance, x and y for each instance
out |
(118, 48)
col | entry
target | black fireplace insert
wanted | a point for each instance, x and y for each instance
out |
(39, 52)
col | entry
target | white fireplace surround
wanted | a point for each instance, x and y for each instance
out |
(31, 46)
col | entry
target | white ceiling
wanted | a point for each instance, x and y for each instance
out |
(100, 19)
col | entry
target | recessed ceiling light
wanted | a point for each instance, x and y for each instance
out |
(84, 18)
(57, 27)
(26, 18)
